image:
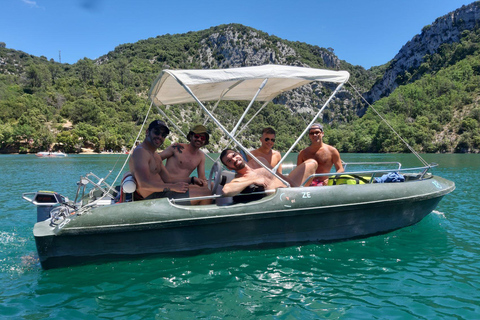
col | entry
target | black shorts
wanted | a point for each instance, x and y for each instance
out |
(169, 194)
(249, 197)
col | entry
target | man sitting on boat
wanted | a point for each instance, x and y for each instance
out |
(325, 155)
(183, 158)
(153, 180)
(252, 173)
(265, 151)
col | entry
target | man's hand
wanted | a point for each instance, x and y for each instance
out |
(180, 187)
(199, 182)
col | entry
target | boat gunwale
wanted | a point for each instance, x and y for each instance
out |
(66, 230)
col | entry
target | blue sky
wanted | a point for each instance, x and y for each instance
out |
(367, 33)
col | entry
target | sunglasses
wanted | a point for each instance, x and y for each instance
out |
(200, 137)
(315, 132)
(160, 132)
(268, 139)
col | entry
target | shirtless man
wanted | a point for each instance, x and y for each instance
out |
(153, 180)
(252, 173)
(265, 151)
(183, 158)
(325, 155)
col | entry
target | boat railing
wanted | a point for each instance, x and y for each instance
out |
(100, 185)
(216, 196)
(373, 173)
(398, 164)
(362, 173)
(288, 167)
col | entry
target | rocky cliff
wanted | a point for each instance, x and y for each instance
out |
(234, 45)
(446, 29)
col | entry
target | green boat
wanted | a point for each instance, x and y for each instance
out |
(100, 225)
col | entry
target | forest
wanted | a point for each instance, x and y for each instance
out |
(100, 104)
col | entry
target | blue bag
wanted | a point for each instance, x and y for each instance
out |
(390, 177)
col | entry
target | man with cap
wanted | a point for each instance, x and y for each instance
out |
(265, 151)
(184, 158)
(325, 155)
(153, 179)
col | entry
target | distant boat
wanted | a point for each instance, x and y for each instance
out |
(44, 154)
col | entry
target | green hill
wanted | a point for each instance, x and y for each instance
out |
(101, 103)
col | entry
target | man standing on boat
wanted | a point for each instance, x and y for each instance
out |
(325, 155)
(265, 151)
(252, 173)
(183, 158)
(152, 178)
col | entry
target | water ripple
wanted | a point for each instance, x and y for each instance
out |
(428, 271)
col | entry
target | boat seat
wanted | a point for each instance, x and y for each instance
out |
(226, 177)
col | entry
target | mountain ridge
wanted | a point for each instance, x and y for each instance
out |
(98, 95)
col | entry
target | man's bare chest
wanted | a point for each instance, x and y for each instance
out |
(186, 160)
(322, 156)
(155, 164)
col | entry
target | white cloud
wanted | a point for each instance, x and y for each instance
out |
(30, 3)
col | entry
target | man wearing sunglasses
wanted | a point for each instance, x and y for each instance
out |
(265, 151)
(251, 173)
(325, 155)
(152, 178)
(184, 158)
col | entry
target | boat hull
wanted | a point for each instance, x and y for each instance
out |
(291, 215)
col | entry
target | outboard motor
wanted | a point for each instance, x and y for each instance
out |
(45, 201)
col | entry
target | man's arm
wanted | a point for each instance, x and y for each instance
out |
(167, 153)
(300, 159)
(165, 175)
(337, 162)
(201, 169)
(237, 185)
(276, 159)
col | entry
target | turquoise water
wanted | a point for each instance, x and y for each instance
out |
(428, 271)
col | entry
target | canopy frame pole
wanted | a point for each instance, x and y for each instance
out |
(249, 105)
(253, 117)
(309, 125)
(221, 97)
(419, 157)
(227, 132)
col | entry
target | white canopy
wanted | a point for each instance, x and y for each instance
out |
(235, 83)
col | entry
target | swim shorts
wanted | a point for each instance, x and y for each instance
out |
(316, 182)
(168, 194)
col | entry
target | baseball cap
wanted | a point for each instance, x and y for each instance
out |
(316, 125)
(158, 124)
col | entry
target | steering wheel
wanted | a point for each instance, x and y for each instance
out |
(215, 176)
